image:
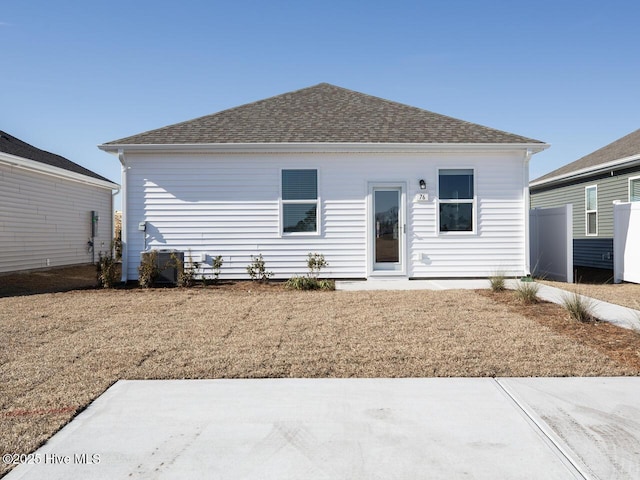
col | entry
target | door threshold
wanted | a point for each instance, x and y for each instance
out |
(388, 276)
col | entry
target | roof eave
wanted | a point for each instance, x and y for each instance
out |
(534, 147)
(33, 165)
(587, 172)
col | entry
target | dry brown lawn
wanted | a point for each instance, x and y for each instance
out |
(62, 350)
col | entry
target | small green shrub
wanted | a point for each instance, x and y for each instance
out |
(107, 271)
(186, 270)
(116, 247)
(257, 269)
(216, 265)
(527, 292)
(309, 283)
(148, 270)
(497, 282)
(580, 308)
(326, 284)
(300, 283)
(315, 263)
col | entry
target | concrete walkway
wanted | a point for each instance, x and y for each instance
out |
(608, 312)
(434, 428)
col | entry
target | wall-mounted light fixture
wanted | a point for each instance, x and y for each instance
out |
(423, 184)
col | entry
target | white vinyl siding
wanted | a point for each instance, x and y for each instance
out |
(45, 221)
(499, 241)
(591, 210)
(229, 205)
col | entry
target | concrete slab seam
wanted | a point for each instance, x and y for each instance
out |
(552, 440)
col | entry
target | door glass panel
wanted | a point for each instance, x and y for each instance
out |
(386, 204)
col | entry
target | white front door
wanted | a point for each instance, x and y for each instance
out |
(387, 229)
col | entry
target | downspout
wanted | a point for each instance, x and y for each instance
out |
(527, 208)
(113, 219)
(125, 236)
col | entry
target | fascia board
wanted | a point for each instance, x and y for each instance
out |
(586, 172)
(323, 147)
(43, 168)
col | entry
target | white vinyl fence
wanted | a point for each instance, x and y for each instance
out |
(551, 243)
(626, 242)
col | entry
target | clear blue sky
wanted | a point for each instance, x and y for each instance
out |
(75, 74)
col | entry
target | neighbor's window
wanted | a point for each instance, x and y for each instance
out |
(299, 201)
(634, 189)
(591, 209)
(455, 199)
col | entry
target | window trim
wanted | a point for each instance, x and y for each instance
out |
(632, 179)
(317, 202)
(473, 201)
(587, 211)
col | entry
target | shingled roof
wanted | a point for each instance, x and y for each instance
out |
(323, 113)
(627, 146)
(14, 146)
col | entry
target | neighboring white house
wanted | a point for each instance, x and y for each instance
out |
(50, 209)
(379, 188)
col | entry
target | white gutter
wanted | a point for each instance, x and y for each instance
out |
(323, 147)
(594, 170)
(125, 238)
(113, 217)
(45, 169)
(527, 208)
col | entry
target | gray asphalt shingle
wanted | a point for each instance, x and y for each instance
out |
(624, 147)
(14, 146)
(323, 113)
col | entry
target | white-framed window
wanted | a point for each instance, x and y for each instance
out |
(591, 209)
(456, 200)
(634, 189)
(299, 212)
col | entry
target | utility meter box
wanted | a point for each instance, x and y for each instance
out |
(95, 218)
